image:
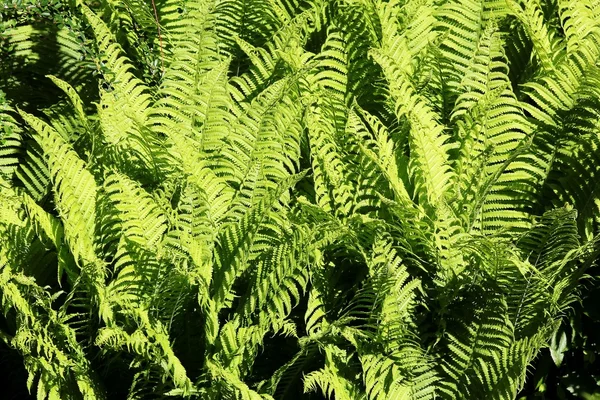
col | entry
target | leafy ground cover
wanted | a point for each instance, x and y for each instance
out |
(284, 199)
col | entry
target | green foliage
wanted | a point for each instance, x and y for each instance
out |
(280, 199)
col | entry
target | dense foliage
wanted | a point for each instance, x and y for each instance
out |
(281, 199)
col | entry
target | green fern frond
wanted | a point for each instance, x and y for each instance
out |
(428, 141)
(75, 191)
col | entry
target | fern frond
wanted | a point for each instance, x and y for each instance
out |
(492, 130)
(428, 141)
(10, 142)
(75, 190)
(479, 342)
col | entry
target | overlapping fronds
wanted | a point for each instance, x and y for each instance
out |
(281, 199)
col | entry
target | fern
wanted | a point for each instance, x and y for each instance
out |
(275, 199)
